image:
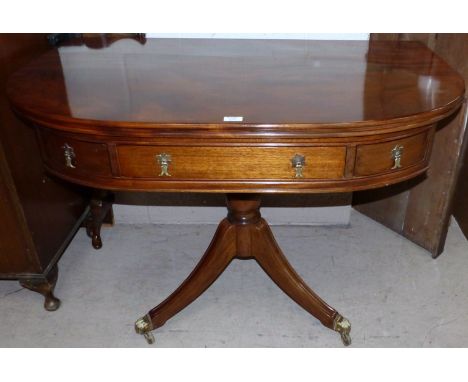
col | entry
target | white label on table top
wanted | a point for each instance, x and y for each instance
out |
(233, 119)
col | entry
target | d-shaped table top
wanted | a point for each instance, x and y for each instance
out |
(255, 85)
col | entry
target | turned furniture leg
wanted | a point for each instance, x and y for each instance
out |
(100, 205)
(44, 286)
(245, 235)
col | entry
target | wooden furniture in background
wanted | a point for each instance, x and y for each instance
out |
(242, 118)
(420, 210)
(39, 214)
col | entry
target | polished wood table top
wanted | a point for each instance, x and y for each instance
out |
(174, 82)
(241, 117)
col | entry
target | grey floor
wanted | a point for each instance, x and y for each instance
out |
(393, 292)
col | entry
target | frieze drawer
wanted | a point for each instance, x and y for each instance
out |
(394, 155)
(223, 163)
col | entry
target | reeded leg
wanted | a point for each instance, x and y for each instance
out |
(217, 257)
(45, 286)
(270, 257)
(100, 205)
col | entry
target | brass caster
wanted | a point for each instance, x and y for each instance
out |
(343, 326)
(144, 326)
(346, 338)
(149, 337)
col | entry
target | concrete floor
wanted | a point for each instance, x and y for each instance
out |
(393, 292)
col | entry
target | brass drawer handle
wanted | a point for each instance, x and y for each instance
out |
(70, 157)
(397, 153)
(164, 160)
(298, 163)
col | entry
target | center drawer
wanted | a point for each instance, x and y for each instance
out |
(196, 162)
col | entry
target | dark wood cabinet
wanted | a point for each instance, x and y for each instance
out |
(40, 214)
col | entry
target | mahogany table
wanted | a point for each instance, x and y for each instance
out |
(239, 117)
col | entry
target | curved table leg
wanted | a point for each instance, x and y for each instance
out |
(215, 260)
(44, 286)
(272, 260)
(244, 234)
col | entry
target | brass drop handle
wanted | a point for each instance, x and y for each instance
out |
(298, 163)
(69, 154)
(164, 160)
(397, 153)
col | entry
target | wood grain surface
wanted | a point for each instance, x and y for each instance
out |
(232, 162)
(179, 83)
